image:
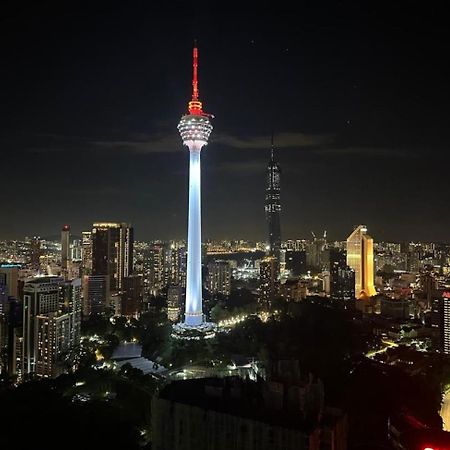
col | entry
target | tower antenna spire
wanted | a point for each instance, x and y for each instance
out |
(195, 105)
(195, 73)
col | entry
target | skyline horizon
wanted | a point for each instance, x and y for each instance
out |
(89, 120)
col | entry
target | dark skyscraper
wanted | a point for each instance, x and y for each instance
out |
(342, 277)
(273, 205)
(112, 252)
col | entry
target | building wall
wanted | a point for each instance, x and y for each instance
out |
(178, 426)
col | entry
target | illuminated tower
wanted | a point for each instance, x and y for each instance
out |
(360, 259)
(195, 128)
(273, 205)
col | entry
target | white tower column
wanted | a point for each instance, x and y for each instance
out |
(194, 313)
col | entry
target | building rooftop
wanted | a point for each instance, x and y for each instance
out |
(259, 401)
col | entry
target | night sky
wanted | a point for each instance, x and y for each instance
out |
(357, 96)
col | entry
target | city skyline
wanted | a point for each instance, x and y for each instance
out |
(337, 91)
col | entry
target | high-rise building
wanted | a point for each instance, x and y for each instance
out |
(445, 321)
(65, 249)
(342, 277)
(268, 283)
(96, 294)
(195, 129)
(112, 252)
(156, 268)
(132, 295)
(35, 253)
(273, 205)
(360, 259)
(72, 306)
(51, 324)
(174, 296)
(9, 276)
(316, 253)
(86, 252)
(176, 258)
(219, 277)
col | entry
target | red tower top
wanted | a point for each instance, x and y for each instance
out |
(195, 105)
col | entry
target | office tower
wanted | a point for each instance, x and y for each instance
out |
(35, 253)
(174, 296)
(176, 258)
(268, 283)
(9, 276)
(195, 129)
(316, 253)
(342, 277)
(41, 297)
(112, 252)
(51, 325)
(296, 262)
(4, 312)
(445, 321)
(76, 250)
(65, 249)
(71, 305)
(156, 269)
(96, 294)
(219, 277)
(360, 259)
(86, 252)
(132, 296)
(273, 205)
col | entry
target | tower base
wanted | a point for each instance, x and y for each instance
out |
(206, 330)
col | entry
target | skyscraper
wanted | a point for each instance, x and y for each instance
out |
(219, 277)
(268, 283)
(132, 295)
(156, 268)
(273, 205)
(342, 277)
(444, 324)
(112, 252)
(51, 324)
(360, 259)
(86, 252)
(174, 296)
(65, 249)
(195, 129)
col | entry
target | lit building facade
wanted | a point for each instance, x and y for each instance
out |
(268, 282)
(273, 205)
(156, 268)
(195, 129)
(445, 322)
(174, 297)
(65, 249)
(342, 277)
(9, 276)
(112, 252)
(219, 278)
(51, 325)
(86, 252)
(360, 259)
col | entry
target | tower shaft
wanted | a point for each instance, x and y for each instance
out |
(193, 313)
